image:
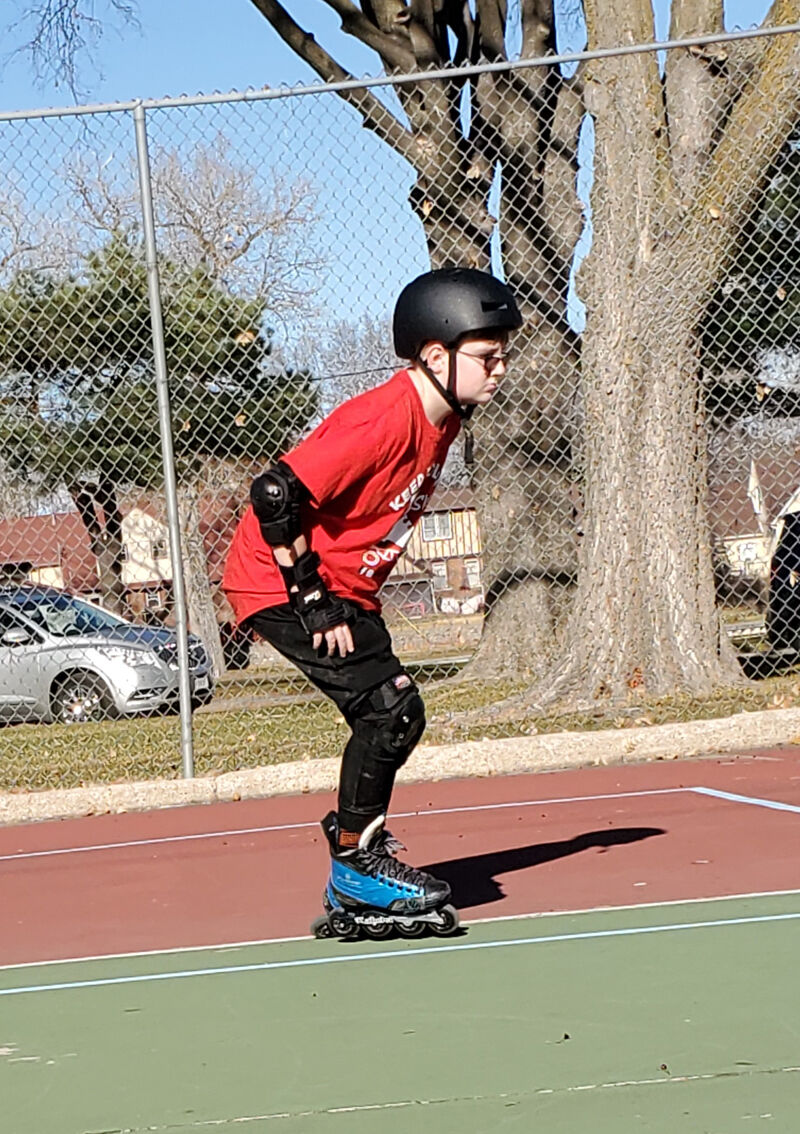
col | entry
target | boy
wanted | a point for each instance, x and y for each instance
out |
(325, 526)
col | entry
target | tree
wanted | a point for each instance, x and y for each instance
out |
(678, 163)
(756, 309)
(214, 212)
(679, 158)
(234, 256)
(79, 400)
(461, 136)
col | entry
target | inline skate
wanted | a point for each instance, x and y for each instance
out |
(371, 894)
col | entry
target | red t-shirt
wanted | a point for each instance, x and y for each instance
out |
(371, 468)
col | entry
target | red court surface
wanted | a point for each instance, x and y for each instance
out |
(254, 870)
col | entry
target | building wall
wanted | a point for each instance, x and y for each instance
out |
(464, 541)
(451, 568)
(748, 555)
(142, 537)
(47, 576)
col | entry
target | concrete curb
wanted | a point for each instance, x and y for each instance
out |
(429, 762)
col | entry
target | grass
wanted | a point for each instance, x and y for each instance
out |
(34, 757)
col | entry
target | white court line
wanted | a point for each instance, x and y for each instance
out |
(235, 832)
(304, 826)
(226, 946)
(397, 954)
(754, 801)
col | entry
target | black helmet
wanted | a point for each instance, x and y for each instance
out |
(444, 305)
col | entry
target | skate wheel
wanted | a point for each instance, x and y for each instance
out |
(448, 923)
(378, 932)
(321, 928)
(343, 926)
(410, 928)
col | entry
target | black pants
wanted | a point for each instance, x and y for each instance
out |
(362, 685)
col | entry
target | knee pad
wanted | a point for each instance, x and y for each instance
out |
(391, 719)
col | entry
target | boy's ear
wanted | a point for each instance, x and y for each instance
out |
(434, 354)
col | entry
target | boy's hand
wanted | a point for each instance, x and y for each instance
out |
(339, 638)
(324, 616)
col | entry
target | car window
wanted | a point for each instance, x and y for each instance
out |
(66, 617)
(9, 621)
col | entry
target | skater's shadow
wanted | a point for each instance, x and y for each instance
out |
(473, 879)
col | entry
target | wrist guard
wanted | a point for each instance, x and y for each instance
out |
(317, 609)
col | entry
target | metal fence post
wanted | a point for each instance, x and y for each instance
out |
(165, 429)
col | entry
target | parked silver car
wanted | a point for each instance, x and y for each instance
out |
(65, 659)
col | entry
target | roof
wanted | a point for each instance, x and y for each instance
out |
(57, 539)
(731, 510)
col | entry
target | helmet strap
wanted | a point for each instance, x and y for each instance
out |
(464, 412)
(452, 365)
(448, 392)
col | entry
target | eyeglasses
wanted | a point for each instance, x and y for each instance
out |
(490, 361)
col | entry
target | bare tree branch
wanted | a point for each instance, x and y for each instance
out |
(492, 24)
(59, 32)
(215, 213)
(696, 17)
(696, 82)
(392, 48)
(28, 240)
(375, 115)
(759, 124)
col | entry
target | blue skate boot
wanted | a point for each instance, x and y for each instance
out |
(370, 892)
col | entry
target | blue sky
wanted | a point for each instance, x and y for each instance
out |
(186, 46)
(367, 237)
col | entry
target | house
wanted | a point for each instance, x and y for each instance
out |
(147, 568)
(440, 570)
(52, 549)
(746, 499)
(55, 549)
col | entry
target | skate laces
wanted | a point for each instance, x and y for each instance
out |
(377, 862)
(376, 850)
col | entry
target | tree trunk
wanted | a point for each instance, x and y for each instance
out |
(524, 446)
(526, 441)
(199, 600)
(98, 508)
(644, 619)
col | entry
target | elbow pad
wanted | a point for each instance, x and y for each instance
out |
(276, 497)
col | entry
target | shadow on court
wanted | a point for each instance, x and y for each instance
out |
(473, 880)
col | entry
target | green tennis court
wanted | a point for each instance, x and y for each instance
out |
(671, 1017)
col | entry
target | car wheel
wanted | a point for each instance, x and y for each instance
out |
(79, 696)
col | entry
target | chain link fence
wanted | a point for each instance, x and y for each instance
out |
(641, 454)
